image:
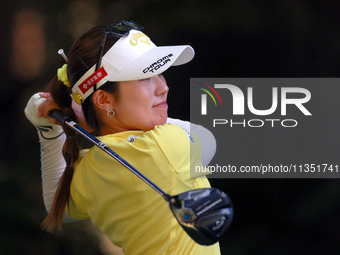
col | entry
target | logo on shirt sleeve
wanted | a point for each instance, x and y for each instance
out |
(190, 137)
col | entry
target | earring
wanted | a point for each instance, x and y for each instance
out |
(110, 112)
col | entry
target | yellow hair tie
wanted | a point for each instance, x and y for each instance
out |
(62, 75)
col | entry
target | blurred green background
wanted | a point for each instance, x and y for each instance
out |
(232, 39)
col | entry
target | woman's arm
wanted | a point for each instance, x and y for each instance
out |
(51, 138)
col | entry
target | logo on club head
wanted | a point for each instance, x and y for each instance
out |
(209, 207)
(219, 223)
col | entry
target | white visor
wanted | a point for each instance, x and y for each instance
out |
(132, 57)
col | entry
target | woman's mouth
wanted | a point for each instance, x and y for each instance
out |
(161, 104)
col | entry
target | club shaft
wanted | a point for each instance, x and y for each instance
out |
(59, 116)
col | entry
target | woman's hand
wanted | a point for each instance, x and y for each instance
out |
(46, 106)
(37, 112)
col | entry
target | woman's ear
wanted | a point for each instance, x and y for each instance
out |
(102, 100)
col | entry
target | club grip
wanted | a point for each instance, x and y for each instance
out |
(59, 116)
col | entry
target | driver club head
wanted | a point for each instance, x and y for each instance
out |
(205, 214)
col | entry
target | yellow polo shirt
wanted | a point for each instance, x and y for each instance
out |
(131, 213)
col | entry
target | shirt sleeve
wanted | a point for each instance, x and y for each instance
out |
(205, 137)
(182, 150)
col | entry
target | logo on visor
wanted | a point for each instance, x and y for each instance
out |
(158, 64)
(93, 79)
(143, 38)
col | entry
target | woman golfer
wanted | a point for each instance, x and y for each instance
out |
(114, 75)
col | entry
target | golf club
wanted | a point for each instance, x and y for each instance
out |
(205, 214)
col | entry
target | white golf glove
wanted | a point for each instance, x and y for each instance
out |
(46, 129)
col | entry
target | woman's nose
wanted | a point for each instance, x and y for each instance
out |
(161, 85)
